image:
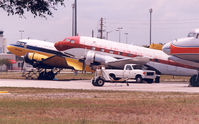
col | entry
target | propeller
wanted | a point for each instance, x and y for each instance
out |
(82, 60)
(22, 64)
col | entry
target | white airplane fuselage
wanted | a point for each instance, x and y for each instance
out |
(158, 59)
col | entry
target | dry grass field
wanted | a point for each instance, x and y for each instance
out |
(80, 76)
(61, 76)
(52, 106)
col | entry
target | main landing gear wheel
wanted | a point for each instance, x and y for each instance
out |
(157, 79)
(194, 81)
(149, 81)
(46, 75)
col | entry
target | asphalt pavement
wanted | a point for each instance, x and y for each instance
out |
(86, 85)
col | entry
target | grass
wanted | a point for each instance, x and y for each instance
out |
(53, 106)
(61, 76)
(87, 76)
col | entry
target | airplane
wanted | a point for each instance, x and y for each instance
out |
(115, 55)
(43, 56)
(186, 49)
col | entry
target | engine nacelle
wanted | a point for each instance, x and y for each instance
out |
(93, 58)
(34, 59)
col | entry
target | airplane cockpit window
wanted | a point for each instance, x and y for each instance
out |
(67, 40)
(192, 34)
(197, 36)
(72, 41)
(21, 43)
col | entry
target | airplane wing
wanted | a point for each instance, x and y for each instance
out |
(121, 62)
(65, 62)
(55, 61)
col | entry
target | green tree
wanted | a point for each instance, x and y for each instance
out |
(6, 62)
(36, 7)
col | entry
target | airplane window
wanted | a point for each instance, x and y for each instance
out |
(197, 36)
(93, 48)
(72, 41)
(102, 50)
(191, 34)
(67, 40)
(21, 43)
(111, 51)
(18, 43)
(129, 54)
(119, 53)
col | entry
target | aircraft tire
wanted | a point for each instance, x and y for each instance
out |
(194, 82)
(50, 75)
(41, 76)
(157, 79)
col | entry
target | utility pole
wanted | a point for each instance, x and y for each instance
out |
(126, 37)
(107, 33)
(21, 31)
(74, 18)
(150, 32)
(92, 33)
(119, 30)
(101, 28)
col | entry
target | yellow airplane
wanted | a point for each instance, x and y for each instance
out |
(43, 56)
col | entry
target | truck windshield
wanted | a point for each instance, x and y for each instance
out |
(137, 66)
(128, 67)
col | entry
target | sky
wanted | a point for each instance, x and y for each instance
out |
(171, 19)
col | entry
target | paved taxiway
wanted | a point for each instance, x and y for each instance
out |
(86, 85)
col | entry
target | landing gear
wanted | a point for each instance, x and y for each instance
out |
(46, 75)
(41, 74)
(194, 81)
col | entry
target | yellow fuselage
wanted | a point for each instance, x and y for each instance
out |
(23, 50)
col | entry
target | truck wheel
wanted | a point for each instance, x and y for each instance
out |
(149, 81)
(138, 79)
(99, 82)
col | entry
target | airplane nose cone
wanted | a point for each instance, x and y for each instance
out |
(167, 48)
(9, 47)
(61, 45)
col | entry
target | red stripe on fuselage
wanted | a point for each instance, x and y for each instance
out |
(183, 50)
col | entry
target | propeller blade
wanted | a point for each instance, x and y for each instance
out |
(22, 66)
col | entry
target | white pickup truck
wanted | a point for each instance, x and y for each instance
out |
(130, 73)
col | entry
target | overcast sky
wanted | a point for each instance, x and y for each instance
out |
(171, 19)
